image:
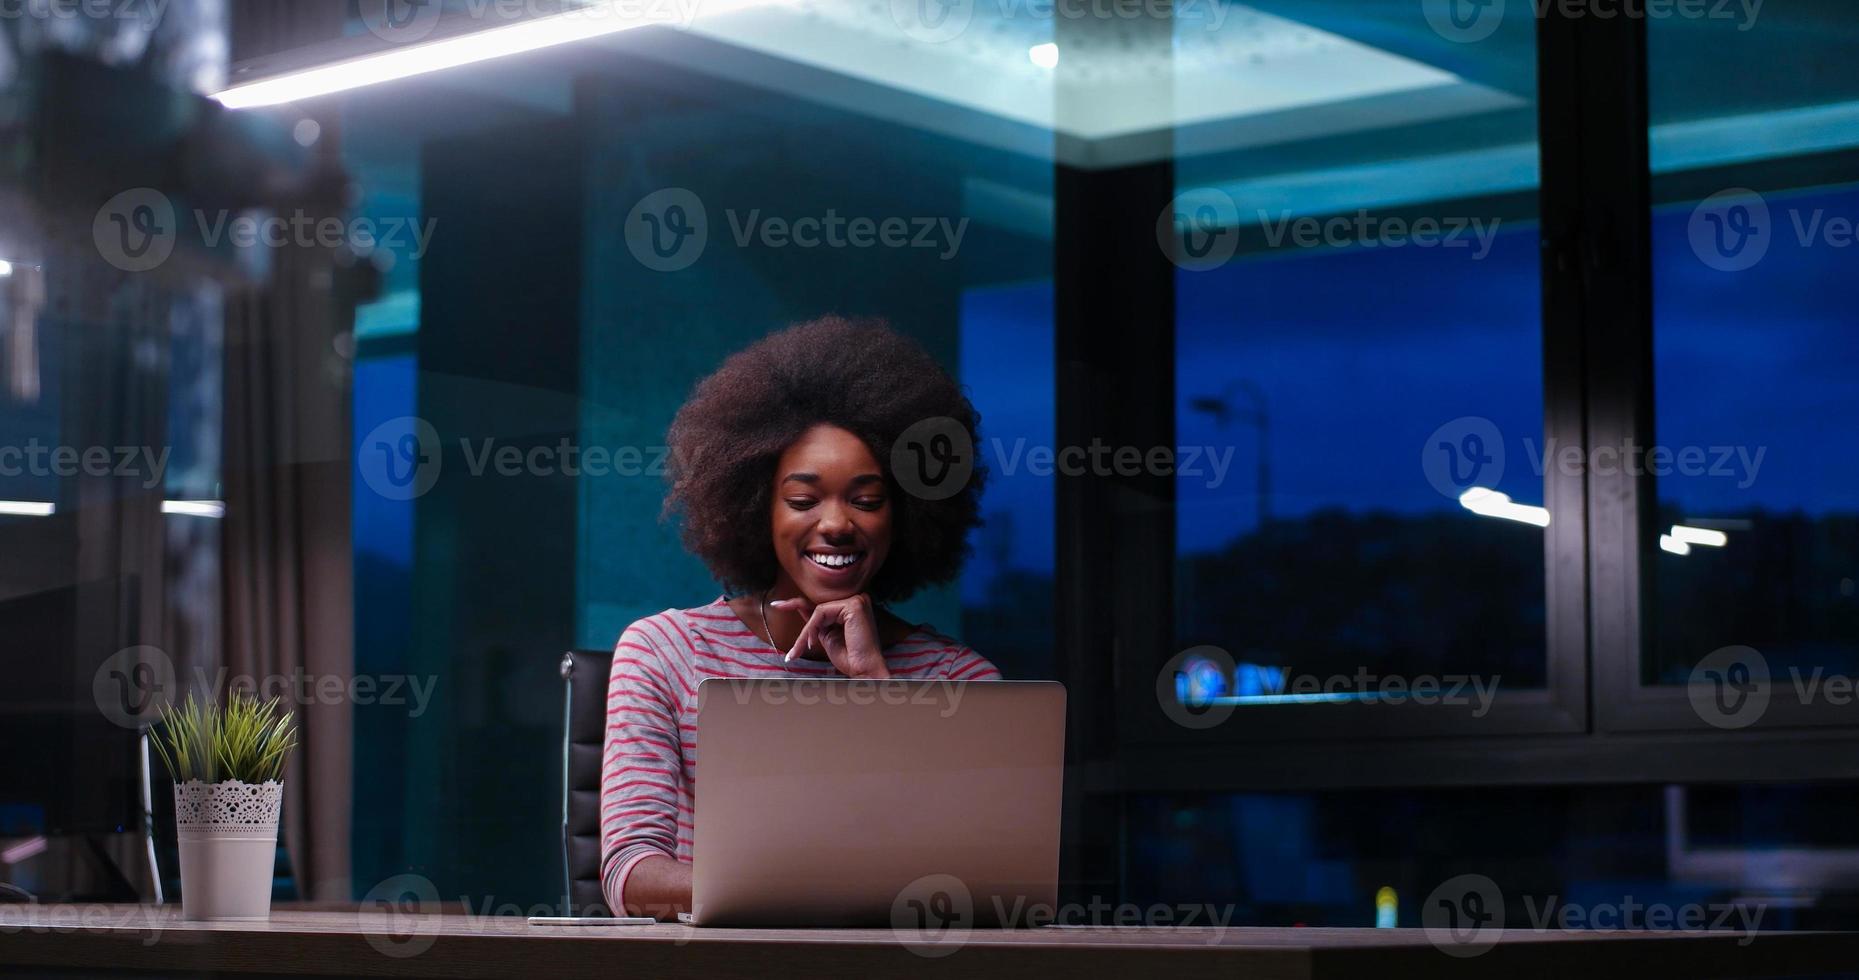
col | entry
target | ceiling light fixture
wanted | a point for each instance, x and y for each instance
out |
(597, 20)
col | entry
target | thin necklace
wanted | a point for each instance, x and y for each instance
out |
(761, 607)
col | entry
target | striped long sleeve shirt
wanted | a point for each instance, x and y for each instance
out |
(648, 776)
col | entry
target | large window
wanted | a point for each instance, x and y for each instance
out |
(1359, 355)
(1755, 346)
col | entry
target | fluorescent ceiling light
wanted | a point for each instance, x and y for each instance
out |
(27, 508)
(1673, 545)
(1486, 502)
(1044, 55)
(1699, 535)
(596, 20)
(195, 508)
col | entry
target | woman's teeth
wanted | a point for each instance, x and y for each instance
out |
(834, 561)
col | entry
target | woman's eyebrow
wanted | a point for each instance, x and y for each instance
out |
(810, 479)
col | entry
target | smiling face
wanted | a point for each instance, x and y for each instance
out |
(832, 516)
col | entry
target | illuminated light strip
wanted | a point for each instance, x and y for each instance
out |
(1313, 697)
(1486, 502)
(24, 850)
(1673, 545)
(1699, 535)
(195, 508)
(27, 508)
(419, 59)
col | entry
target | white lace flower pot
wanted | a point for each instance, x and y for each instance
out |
(228, 834)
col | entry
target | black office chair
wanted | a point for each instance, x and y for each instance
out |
(584, 727)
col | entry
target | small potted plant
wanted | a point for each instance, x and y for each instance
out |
(228, 769)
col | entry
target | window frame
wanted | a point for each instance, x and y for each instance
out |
(1594, 722)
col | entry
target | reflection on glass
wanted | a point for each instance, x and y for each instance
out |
(1757, 522)
(1359, 357)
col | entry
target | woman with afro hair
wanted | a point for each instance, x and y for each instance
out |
(780, 471)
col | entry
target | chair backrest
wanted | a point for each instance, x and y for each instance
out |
(584, 728)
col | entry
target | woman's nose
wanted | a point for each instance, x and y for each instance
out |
(834, 521)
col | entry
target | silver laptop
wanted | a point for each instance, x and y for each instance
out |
(872, 803)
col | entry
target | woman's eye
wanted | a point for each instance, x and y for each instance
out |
(800, 503)
(868, 503)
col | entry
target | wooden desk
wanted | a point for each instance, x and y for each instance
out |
(93, 940)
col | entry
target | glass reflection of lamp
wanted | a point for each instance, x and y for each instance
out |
(1386, 906)
(1199, 681)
